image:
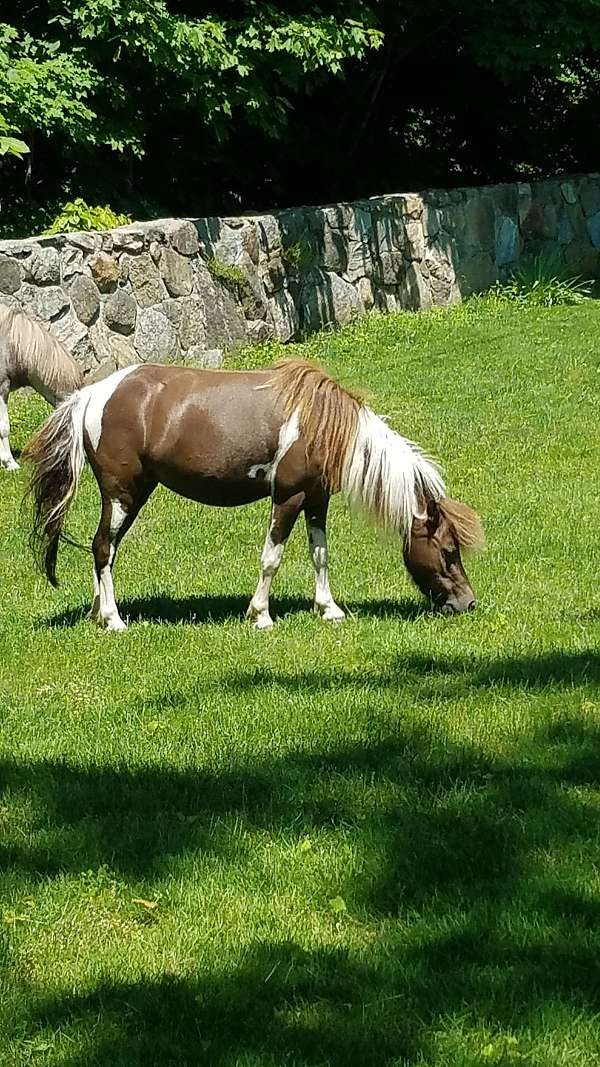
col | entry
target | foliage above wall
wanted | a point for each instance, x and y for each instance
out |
(165, 107)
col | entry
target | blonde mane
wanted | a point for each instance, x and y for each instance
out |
(327, 413)
(39, 357)
(360, 455)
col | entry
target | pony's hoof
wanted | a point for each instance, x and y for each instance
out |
(11, 466)
(331, 614)
(263, 622)
(115, 626)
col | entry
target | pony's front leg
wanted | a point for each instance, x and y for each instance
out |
(7, 460)
(316, 523)
(281, 522)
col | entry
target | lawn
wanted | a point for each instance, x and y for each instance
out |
(374, 843)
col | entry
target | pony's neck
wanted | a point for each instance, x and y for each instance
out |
(389, 476)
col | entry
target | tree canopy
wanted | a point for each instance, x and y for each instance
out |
(169, 106)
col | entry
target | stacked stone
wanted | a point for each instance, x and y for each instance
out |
(184, 290)
(137, 293)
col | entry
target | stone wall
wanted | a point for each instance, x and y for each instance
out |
(187, 289)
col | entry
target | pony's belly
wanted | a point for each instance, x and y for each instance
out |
(214, 490)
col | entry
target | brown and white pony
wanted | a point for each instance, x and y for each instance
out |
(30, 355)
(227, 438)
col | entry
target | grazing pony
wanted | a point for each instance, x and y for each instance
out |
(227, 438)
(30, 355)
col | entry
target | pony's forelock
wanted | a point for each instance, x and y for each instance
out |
(465, 523)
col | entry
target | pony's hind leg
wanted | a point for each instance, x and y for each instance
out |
(281, 523)
(7, 460)
(117, 516)
(316, 524)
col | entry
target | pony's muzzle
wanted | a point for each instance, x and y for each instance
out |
(455, 607)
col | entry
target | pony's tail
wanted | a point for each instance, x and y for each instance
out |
(57, 457)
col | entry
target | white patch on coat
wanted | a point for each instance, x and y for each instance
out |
(97, 396)
(288, 435)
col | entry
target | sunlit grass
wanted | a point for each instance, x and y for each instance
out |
(375, 843)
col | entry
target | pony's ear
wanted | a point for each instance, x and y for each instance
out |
(433, 516)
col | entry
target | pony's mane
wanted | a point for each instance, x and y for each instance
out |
(327, 413)
(465, 522)
(379, 471)
(38, 352)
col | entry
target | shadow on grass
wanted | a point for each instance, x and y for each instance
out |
(448, 840)
(206, 609)
(315, 1008)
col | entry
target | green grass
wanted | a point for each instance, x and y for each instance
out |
(374, 844)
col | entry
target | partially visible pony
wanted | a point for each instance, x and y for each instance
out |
(31, 355)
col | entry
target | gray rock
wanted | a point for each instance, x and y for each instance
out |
(476, 273)
(128, 240)
(123, 353)
(176, 271)
(389, 267)
(45, 302)
(192, 329)
(120, 311)
(565, 230)
(415, 240)
(366, 296)
(590, 197)
(85, 298)
(250, 243)
(431, 221)
(155, 338)
(360, 244)
(582, 259)
(88, 242)
(568, 191)
(507, 240)
(198, 356)
(10, 275)
(333, 255)
(68, 329)
(145, 280)
(413, 291)
(438, 272)
(479, 221)
(106, 368)
(284, 315)
(184, 239)
(105, 271)
(85, 354)
(99, 338)
(213, 357)
(258, 331)
(43, 267)
(229, 247)
(173, 309)
(267, 228)
(72, 263)
(222, 313)
(593, 224)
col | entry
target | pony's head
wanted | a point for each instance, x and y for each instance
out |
(432, 554)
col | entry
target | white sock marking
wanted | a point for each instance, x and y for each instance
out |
(108, 613)
(270, 560)
(324, 602)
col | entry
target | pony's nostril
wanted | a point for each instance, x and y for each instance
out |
(472, 605)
